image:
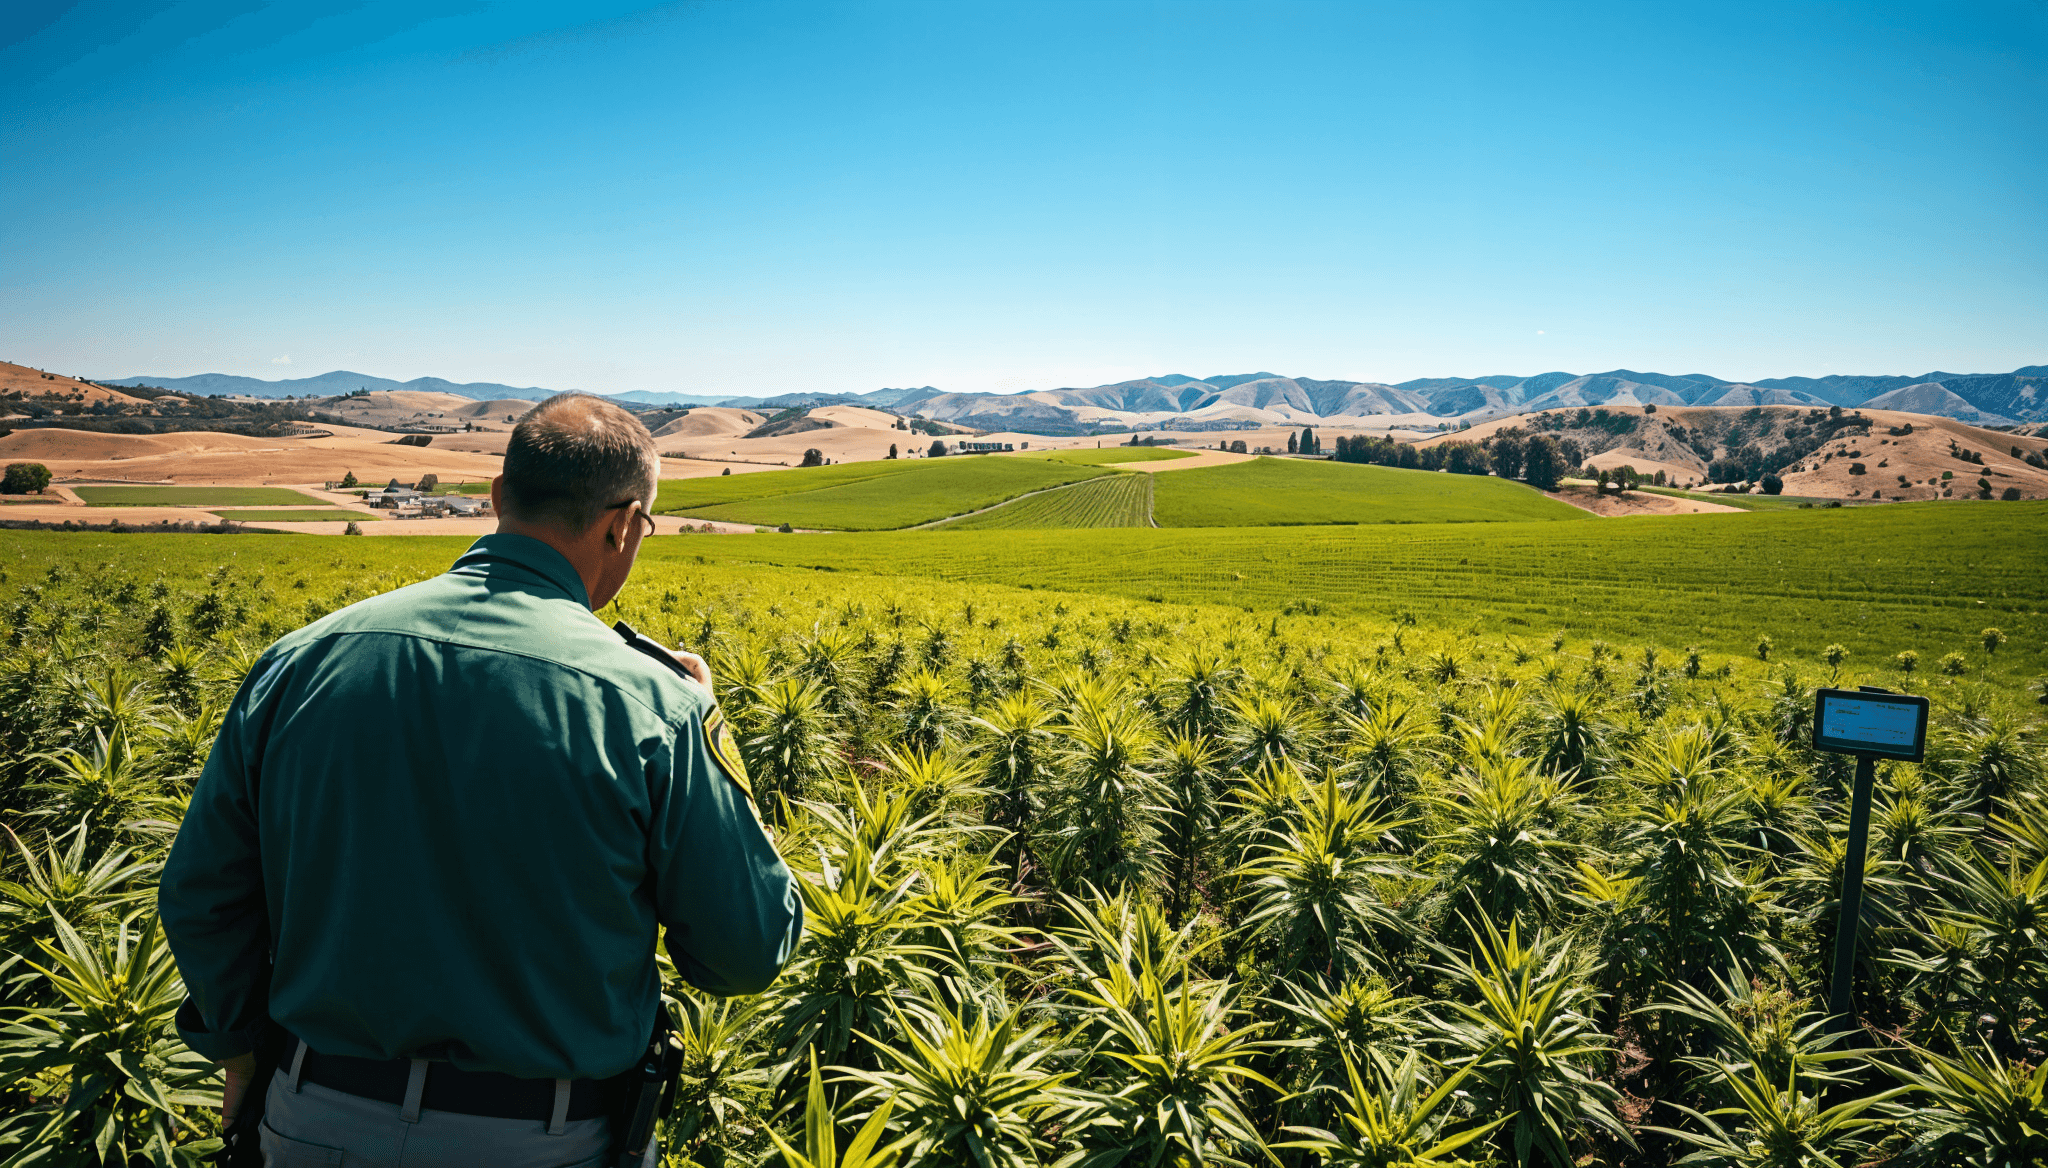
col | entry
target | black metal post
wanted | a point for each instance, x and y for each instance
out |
(1840, 1002)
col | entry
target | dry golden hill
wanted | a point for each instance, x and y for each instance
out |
(1885, 465)
(858, 416)
(21, 379)
(56, 444)
(404, 408)
(202, 457)
(502, 412)
(1683, 441)
(711, 422)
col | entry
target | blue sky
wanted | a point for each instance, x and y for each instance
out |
(723, 197)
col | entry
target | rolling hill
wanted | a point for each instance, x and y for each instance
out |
(1863, 453)
(25, 383)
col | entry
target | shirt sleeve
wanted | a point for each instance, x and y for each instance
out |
(211, 899)
(731, 909)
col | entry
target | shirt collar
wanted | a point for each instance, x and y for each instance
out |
(529, 553)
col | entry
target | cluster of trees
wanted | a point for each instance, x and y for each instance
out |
(168, 414)
(1078, 893)
(24, 478)
(1753, 448)
(1304, 443)
(1541, 459)
(1612, 423)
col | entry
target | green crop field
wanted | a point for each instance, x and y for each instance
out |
(1274, 491)
(867, 496)
(1877, 579)
(1118, 500)
(711, 490)
(191, 496)
(297, 515)
(1112, 455)
(1519, 796)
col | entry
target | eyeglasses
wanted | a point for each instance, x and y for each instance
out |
(642, 514)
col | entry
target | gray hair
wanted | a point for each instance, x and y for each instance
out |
(574, 456)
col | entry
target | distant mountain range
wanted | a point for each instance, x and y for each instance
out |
(341, 381)
(1248, 399)
(332, 384)
(1252, 399)
(880, 398)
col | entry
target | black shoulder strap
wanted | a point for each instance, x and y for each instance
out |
(651, 647)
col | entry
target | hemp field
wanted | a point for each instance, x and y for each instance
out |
(1277, 491)
(1879, 580)
(1161, 789)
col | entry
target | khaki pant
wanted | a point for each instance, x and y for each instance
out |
(318, 1126)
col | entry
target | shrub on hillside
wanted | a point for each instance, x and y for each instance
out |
(24, 478)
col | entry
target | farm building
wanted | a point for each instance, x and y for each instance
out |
(456, 505)
(394, 496)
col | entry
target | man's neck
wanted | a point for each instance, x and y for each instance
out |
(583, 553)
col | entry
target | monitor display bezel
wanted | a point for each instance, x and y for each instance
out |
(1916, 753)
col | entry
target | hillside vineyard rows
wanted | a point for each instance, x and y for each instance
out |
(1328, 868)
(1119, 500)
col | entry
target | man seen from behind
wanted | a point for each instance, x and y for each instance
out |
(441, 829)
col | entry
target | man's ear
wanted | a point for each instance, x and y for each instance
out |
(617, 523)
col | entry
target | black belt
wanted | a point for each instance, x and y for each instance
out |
(450, 1088)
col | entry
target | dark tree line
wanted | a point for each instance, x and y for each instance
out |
(1540, 460)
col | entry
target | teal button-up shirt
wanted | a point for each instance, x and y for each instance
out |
(445, 823)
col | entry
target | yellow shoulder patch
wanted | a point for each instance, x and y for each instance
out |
(725, 751)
